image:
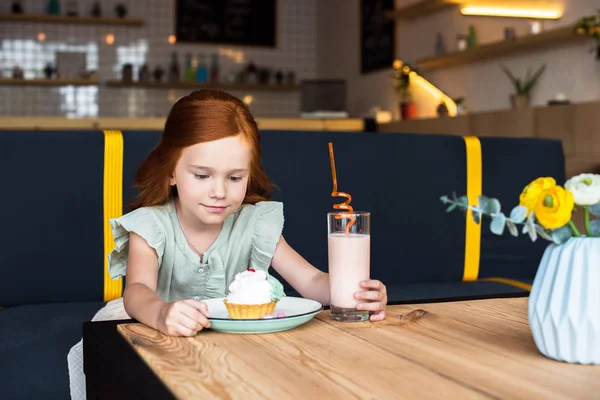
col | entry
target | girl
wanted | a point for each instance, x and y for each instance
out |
(203, 215)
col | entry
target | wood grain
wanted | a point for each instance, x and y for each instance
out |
(485, 344)
(312, 361)
(467, 350)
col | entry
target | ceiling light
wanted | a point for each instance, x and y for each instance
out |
(511, 12)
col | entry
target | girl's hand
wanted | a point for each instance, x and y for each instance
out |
(375, 294)
(183, 318)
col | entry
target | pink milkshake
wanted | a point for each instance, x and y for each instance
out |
(349, 264)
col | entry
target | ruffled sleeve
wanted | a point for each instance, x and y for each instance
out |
(268, 225)
(142, 221)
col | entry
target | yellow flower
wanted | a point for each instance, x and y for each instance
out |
(554, 207)
(532, 192)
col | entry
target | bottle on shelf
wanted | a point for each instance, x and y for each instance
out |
(71, 8)
(201, 72)
(174, 69)
(53, 7)
(189, 68)
(472, 37)
(215, 69)
(96, 10)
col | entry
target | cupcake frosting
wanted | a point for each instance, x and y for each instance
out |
(251, 287)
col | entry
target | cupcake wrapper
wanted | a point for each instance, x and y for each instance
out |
(249, 311)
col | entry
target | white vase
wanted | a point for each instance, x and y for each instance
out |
(564, 303)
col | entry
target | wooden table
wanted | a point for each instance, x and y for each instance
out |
(462, 350)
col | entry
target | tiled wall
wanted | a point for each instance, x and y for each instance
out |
(20, 44)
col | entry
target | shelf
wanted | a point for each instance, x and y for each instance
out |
(422, 8)
(426, 7)
(194, 85)
(65, 19)
(148, 85)
(47, 82)
(502, 48)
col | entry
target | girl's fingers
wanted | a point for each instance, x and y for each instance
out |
(380, 316)
(198, 305)
(185, 331)
(373, 284)
(374, 306)
(368, 295)
(188, 321)
(192, 313)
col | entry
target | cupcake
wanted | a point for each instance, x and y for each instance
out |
(250, 296)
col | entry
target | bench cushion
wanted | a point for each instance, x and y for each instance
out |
(34, 343)
(451, 291)
(52, 217)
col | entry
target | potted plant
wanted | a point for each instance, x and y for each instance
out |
(523, 88)
(401, 83)
(590, 26)
(461, 107)
(563, 303)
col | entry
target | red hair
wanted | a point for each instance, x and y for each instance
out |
(202, 116)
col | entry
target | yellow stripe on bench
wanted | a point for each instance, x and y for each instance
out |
(473, 230)
(113, 203)
(511, 282)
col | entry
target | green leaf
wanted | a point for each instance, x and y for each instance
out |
(519, 86)
(561, 235)
(529, 228)
(451, 207)
(460, 202)
(476, 212)
(512, 228)
(463, 202)
(532, 81)
(498, 223)
(518, 214)
(489, 205)
(543, 232)
(509, 74)
(595, 210)
(595, 227)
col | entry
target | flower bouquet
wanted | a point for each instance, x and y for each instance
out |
(564, 303)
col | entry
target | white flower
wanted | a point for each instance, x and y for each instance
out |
(585, 189)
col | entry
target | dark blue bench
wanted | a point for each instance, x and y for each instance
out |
(53, 251)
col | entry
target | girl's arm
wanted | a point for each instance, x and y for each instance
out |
(306, 279)
(141, 302)
(140, 298)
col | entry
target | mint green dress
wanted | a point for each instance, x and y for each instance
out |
(248, 238)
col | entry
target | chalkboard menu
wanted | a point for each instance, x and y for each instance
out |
(241, 22)
(377, 35)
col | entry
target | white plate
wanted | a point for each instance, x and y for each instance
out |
(297, 311)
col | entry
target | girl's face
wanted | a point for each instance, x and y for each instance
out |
(212, 179)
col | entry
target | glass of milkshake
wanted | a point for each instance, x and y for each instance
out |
(349, 245)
